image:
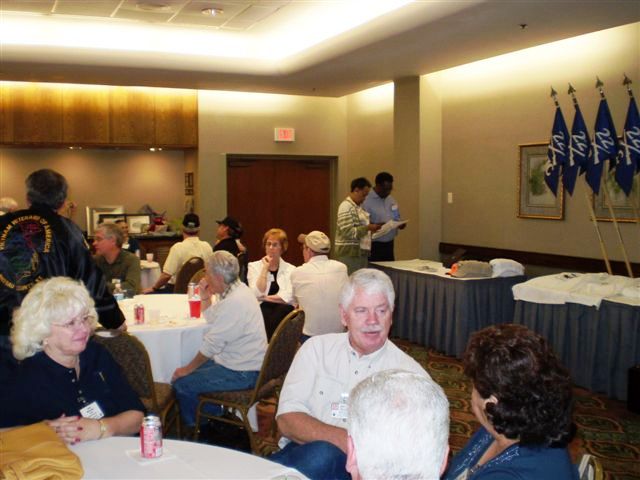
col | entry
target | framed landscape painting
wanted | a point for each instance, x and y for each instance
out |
(535, 199)
(623, 206)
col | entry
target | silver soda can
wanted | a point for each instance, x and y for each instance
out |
(151, 437)
(138, 311)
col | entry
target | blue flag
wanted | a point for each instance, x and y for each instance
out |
(558, 152)
(629, 153)
(579, 152)
(605, 146)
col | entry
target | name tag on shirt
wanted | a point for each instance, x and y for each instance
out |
(341, 409)
(93, 411)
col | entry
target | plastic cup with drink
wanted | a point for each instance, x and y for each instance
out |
(193, 294)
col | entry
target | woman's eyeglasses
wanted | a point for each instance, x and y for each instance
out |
(76, 323)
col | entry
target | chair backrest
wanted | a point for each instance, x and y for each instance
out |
(589, 468)
(243, 263)
(197, 276)
(280, 352)
(132, 356)
(183, 277)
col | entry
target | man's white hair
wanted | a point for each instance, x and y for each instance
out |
(399, 424)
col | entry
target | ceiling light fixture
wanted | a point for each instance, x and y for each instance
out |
(212, 11)
(153, 7)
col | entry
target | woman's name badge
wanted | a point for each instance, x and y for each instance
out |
(92, 410)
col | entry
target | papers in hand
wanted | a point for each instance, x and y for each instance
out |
(387, 227)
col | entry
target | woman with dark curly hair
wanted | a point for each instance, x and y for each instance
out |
(522, 398)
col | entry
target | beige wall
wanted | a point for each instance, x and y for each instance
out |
(102, 177)
(232, 122)
(490, 107)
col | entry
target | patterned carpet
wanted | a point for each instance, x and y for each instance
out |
(605, 428)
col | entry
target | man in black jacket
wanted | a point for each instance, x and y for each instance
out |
(37, 243)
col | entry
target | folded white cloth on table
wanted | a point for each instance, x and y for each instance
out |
(583, 288)
(505, 267)
(633, 290)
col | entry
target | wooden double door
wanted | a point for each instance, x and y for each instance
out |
(288, 192)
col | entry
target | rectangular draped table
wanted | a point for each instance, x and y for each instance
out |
(441, 312)
(597, 345)
(591, 320)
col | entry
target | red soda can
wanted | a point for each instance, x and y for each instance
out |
(138, 312)
(151, 437)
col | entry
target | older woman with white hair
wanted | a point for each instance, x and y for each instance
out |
(64, 378)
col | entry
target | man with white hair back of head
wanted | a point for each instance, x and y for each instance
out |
(398, 428)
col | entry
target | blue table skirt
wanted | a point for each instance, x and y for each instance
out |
(442, 312)
(597, 345)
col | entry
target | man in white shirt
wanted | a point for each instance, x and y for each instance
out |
(317, 285)
(233, 347)
(191, 246)
(386, 411)
(313, 410)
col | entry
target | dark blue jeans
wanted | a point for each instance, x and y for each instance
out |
(209, 377)
(316, 460)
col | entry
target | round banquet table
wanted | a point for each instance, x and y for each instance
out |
(119, 458)
(172, 339)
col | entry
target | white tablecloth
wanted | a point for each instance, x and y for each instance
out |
(149, 273)
(118, 458)
(171, 342)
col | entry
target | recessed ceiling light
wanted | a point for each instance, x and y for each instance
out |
(212, 12)
(153, 6)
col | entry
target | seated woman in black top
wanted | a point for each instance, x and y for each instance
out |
(63, 378)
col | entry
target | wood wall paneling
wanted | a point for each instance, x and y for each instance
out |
(132, 116)
(37, 113)
(85, 115)
(176, 117)
(6, 114)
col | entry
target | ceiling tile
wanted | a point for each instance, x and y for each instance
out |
(100, 8)
(35, 6)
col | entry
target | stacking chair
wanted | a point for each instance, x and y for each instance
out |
(589, 468)
(197, 276)
(129, 352)
(183, 277)
(280, 353)
(243, 263)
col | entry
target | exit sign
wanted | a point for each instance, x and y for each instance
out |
(284, 134)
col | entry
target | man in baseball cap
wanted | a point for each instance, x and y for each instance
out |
(227, 236)
(317, 284)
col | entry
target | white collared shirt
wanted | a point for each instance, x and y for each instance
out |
(326, 367)
(316, 288)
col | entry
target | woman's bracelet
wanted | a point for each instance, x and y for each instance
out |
(103, 428)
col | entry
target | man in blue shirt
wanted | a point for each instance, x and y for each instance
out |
(382, 207)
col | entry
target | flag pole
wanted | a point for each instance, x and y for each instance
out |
(592, 213)
(607, 198)
(627, 83)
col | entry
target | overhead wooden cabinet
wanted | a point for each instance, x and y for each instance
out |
(176, 116)
(41, 114)
(133, 116)
(37, 113)
(85, 115)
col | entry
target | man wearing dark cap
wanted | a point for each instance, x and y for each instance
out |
(317, 285)
(190, 246)
(227, 235)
